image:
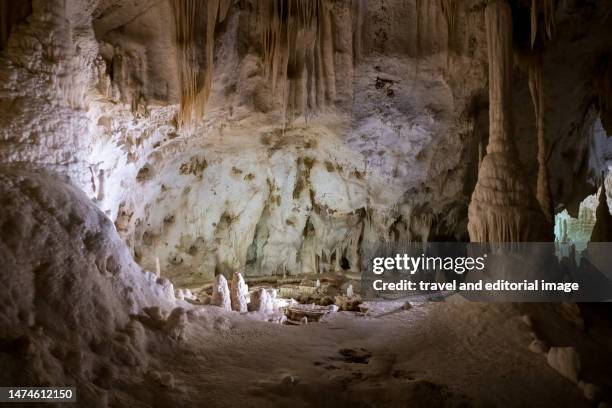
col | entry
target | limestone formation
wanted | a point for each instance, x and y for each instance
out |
(298, 47)
(195, 23)
(503, 208)
(262, 301)
(239, 292)
(157, 268)
(221, 293)
(166, 288)
(180, 295)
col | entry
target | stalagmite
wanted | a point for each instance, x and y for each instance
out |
(502, 208)
(221, 293)
(157, 267)
(262, 301)
(239, 292)
(536, 87)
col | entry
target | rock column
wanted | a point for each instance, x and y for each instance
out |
(503, 209)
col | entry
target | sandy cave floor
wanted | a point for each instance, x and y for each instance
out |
(434, 354)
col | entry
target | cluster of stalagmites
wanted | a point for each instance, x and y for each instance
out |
(235, 296)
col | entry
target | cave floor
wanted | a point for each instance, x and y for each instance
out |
(434, 354)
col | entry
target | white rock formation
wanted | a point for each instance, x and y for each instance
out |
(566, 361)
(167, 287)
(262, 301)
(64, 265)
(221, 293)
(239, 292)
(157, 267)
(180, 295)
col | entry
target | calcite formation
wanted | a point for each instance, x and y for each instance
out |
(239, 293)
(262, 301)
(503, 208)
(221, 293)
(195, 23)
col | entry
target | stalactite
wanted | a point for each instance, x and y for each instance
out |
(502, 208)
(418, 28)
(357, 13)
(547, 8)
(536, 88)
(195, 27)
(449, 7)
(498, 20)
(296, 38)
